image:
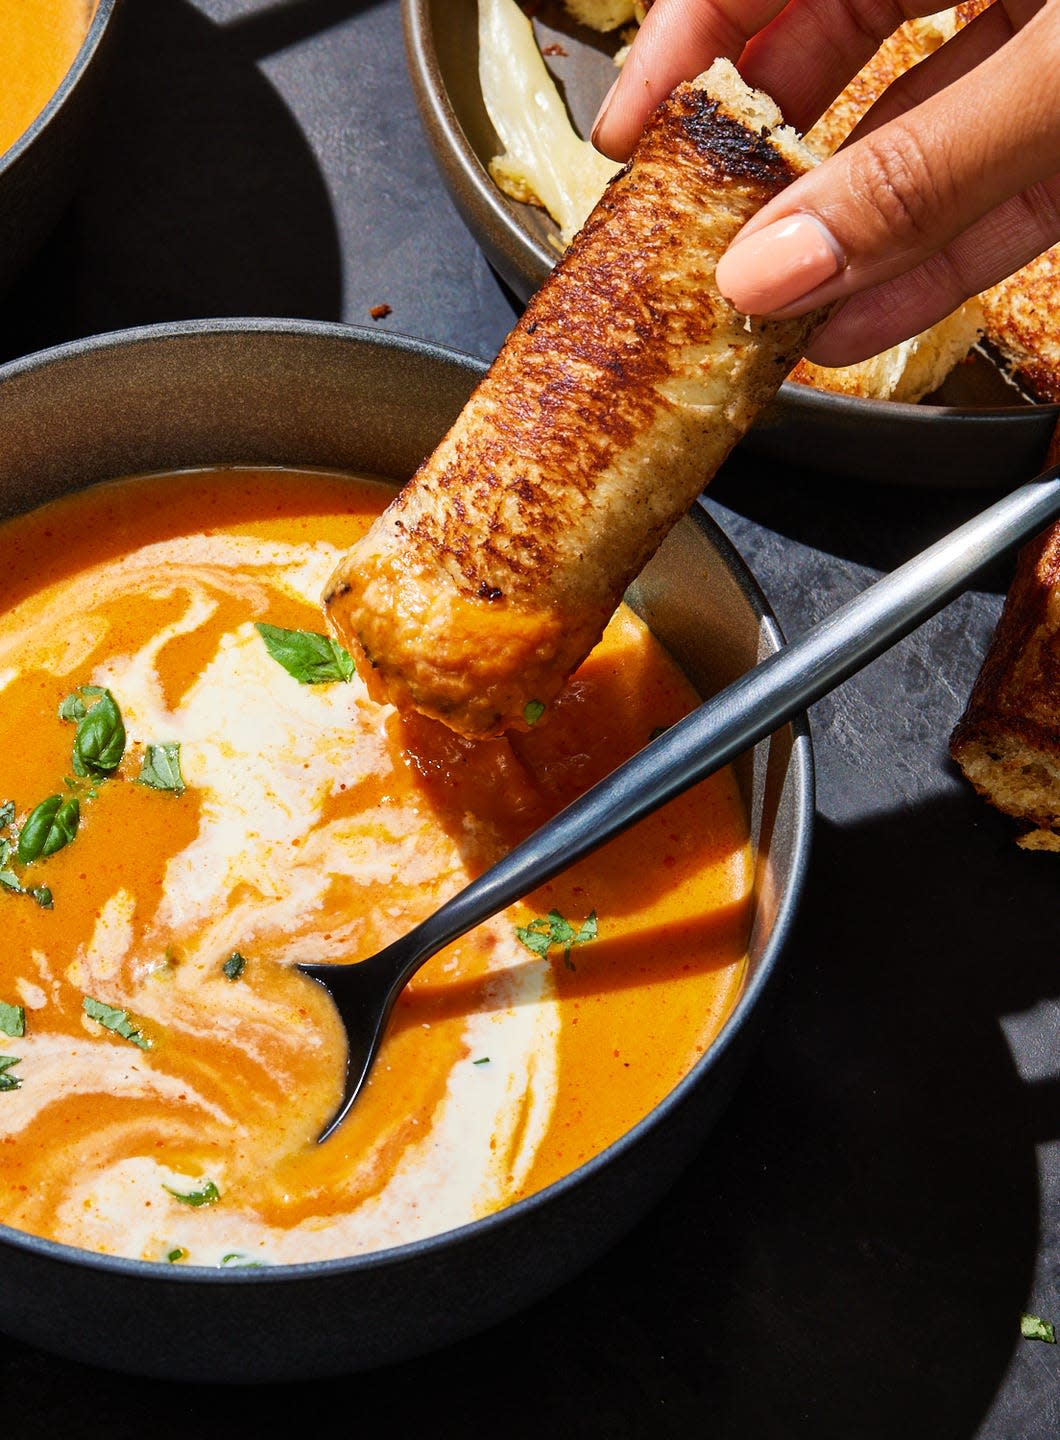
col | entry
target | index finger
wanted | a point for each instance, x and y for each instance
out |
(677, 41)
(802, 52)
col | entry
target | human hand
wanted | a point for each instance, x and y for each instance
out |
(950, 183)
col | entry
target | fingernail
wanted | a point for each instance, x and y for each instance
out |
(601, 114)
(778, 265)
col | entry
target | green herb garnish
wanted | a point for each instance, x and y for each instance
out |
(551, 929)
(1033, 1327)
(73, 707)
(206, 1194)
(484, 1061)
(7, 814)
(8, 1082)
(100, 740)
(311, 658)
(161, 768)
(177, 1253)
(533, 711)
(50, 826)
(236, 1260)
(233, 966)
(8, 879)
(12, 1020)
(117, 1020)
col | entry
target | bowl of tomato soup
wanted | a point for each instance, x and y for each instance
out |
(51, 58)
(197, 794)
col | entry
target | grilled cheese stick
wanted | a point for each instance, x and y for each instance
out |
(619, 393)
(1007, 742)
(1022, 319)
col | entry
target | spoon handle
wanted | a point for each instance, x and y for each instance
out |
(752, 707)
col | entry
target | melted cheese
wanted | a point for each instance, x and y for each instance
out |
(315, 825)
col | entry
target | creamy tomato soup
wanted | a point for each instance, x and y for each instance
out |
(197, 793)
(38, 42)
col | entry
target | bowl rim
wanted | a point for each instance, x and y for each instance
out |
(801, 768)
(522, 257)
(86, 51)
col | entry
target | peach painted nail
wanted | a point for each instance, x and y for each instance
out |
(605, 105)
(778, 265)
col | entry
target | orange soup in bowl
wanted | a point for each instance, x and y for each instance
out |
(39, 41)
(196, 792)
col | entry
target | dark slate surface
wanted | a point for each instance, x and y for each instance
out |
(849, 1255)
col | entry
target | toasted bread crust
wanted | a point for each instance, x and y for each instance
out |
(619, 393)
(1022, 316)
(1008, 740)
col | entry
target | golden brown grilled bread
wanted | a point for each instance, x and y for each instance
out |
(606, 14)
(622, 388)
(917, 366)
(1007, 742)
(912, 42)
(907, 371)
(1021, 318)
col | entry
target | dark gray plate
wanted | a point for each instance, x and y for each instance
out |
(305, 394)
(974, 432)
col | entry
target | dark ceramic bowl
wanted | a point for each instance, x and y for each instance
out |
(977, 431)
(305, 394)
(38, 172)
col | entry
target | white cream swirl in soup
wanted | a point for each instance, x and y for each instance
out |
(197, 793)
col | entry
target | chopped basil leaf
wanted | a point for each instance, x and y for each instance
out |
(533, 711)
(10, 881)
(177, 1253)
(7, 814)
(544, 932)
(83, 786)
(311, 658)
(8, 1082)
(100, 740)
(1033, 1327)
(48, 828)
(233, 966)
(206, 1194)
(161, 768)
(12, 1020)
(117, 1020)
(73, 707)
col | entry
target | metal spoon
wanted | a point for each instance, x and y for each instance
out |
(722, 728)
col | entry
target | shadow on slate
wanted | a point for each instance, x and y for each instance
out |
(201, 196)
(875, 525)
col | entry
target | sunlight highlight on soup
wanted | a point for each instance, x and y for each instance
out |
(197, 793)
(38, 42)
